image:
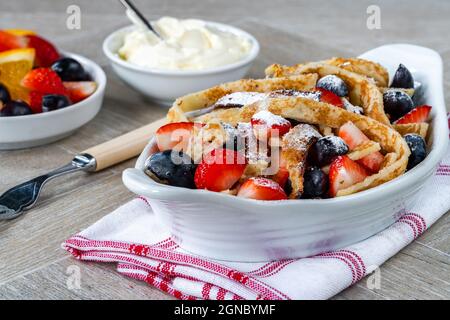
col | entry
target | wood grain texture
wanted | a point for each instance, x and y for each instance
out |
(32, 265)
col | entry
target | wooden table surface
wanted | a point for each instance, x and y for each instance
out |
(32, 265)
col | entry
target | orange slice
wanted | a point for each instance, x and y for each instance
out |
(14, 65)
(24, 54)
(20, 32)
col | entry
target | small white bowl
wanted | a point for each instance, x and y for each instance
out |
(164, 86)
(43, 128)
(226, 227)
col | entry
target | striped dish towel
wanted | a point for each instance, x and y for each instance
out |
(143, 250)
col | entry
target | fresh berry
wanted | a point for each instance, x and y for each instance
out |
(329, 97)
(344, 173)
(353, 137)
(334, 84)
(402, 78)
(36, 101)
(174, 167)
(220, 170)
(418, 149)
(4, 94)
(174, 136)
(281, 177)
(53, 102)
(326, 149)
(266, 124)
(70, 69)
(9, 41)
(79, 90)
(15, 108)
(46, 53)
(315, 183)
(416, 115)
(397, 103)
(261, 189)
(43, 80)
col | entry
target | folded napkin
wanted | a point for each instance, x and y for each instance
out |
(132, 238)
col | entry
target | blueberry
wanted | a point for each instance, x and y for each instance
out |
(4, 94)
(15, 108)
(53, 102)
(326, 149)
(334, 84)
(175, 168)
(402, 78)
(315, 183)
(70, 69)
(397, 103)
(418, 149)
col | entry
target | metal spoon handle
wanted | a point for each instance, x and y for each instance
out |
(130, 6)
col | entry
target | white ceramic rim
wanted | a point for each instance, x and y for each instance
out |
(101, 85)
(113, 56)
(440, 144)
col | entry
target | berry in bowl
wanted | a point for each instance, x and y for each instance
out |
(192, 55)
(45, 94)
(308, 160)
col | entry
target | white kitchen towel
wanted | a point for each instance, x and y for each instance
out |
(142, 249)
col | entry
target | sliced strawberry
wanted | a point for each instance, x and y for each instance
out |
(353, 137)
(43, 80)
(344, 173)
(46, 53)
(266, 124)
(36, 101)
(261, 189)
(79, 90)
(331, 98)
(416, 115)
(174, 136)
(219, 170)
(9, 41)
(281, 177)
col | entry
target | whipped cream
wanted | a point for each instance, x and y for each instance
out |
(187, 45)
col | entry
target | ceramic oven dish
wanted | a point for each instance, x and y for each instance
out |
(231, 228)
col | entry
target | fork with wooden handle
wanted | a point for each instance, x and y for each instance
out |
(22, 197)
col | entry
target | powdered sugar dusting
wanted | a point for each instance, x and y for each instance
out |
(254, 151)
(239, 99)
(300, 137)
(264, 182)
(336, 144)
(269, 118)
(352, 108)
(313, 95)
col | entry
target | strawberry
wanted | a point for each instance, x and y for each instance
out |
(265, 123)
(9, 41)
(344, 173)
(261, 189)
(353, 137)
(79, 90)
(331, 98)
(43, 80)
(174, 136)
(219, 170)
(36, 101)
(281, 177)
(416, 115)
(46, 53)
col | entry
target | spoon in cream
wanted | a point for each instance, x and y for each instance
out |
(131, 9)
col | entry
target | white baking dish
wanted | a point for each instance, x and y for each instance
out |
(225, 227)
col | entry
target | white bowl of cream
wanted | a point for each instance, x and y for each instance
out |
(193, 55)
